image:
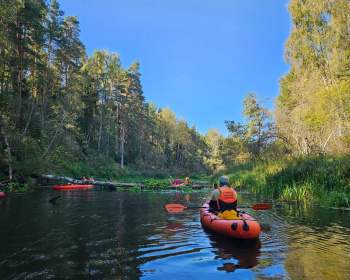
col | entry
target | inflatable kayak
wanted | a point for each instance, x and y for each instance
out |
(71, 186)
(2, 194)
(245, 228)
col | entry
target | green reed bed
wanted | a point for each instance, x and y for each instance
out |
(322, 180)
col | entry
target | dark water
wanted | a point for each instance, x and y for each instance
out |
(96, 234)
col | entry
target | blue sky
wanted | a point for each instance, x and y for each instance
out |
(199, 57)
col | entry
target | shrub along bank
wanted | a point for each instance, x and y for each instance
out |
(323, 180)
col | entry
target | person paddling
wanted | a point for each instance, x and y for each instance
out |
(223, 198)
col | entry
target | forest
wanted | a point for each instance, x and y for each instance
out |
(63, 112)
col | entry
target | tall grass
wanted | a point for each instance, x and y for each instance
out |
(323, 180)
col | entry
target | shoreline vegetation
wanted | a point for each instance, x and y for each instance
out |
(317, 180)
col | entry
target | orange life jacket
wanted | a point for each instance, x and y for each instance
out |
(227, 199)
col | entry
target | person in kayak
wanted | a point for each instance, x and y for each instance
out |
(178, 182)
(187, 181)
(223, 198)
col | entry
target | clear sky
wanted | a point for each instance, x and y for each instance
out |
(199, 57)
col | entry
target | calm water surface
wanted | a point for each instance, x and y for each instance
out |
(96, 234)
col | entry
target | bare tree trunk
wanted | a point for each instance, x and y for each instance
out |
(117, 122)
(20, 53)
(30, 117)
(9, 156)
(108, 130)
(53, 139)
(45, 82)
(33, 101)
(122, 140)
(100, 130)
(123, 125)
(327, 141)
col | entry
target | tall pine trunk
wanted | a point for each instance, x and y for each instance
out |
(9, 156)
(43, 104)
(122, 141)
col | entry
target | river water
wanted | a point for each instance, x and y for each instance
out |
(97, 234)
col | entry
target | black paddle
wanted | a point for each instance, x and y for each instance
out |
(53, 199)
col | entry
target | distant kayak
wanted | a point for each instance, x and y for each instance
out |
(2, 194)
(71, 186)
(245, 228)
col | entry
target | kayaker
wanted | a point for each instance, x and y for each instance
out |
(178, 182)
(91, 179)
(171, 180)
(223, 198)
(187, 181)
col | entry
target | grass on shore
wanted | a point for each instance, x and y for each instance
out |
(323, 180)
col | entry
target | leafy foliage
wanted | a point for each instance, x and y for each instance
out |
(312, 110)
(155, 184)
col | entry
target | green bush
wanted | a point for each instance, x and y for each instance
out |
(337, 199)
(15, 187)
(31, 183)
(154, 184)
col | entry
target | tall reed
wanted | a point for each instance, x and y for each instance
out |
(324, 180)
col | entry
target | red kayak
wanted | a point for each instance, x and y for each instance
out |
(245, 228)
(71, 187)
(2, 194)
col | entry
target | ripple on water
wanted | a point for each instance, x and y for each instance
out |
(124, 235)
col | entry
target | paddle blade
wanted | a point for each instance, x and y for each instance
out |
(53, 199)
(261, 206)
(174, 208)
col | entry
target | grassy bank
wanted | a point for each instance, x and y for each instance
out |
(322, 180)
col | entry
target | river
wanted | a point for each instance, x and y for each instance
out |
(98, 234)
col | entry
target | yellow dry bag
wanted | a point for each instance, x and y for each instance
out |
(230, 215)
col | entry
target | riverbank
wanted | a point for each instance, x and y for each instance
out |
(322, 180)
(122, 184)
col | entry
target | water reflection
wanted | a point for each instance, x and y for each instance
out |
(174, 228)
(235, 254)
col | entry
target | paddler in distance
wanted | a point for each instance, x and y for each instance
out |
(223, 198)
